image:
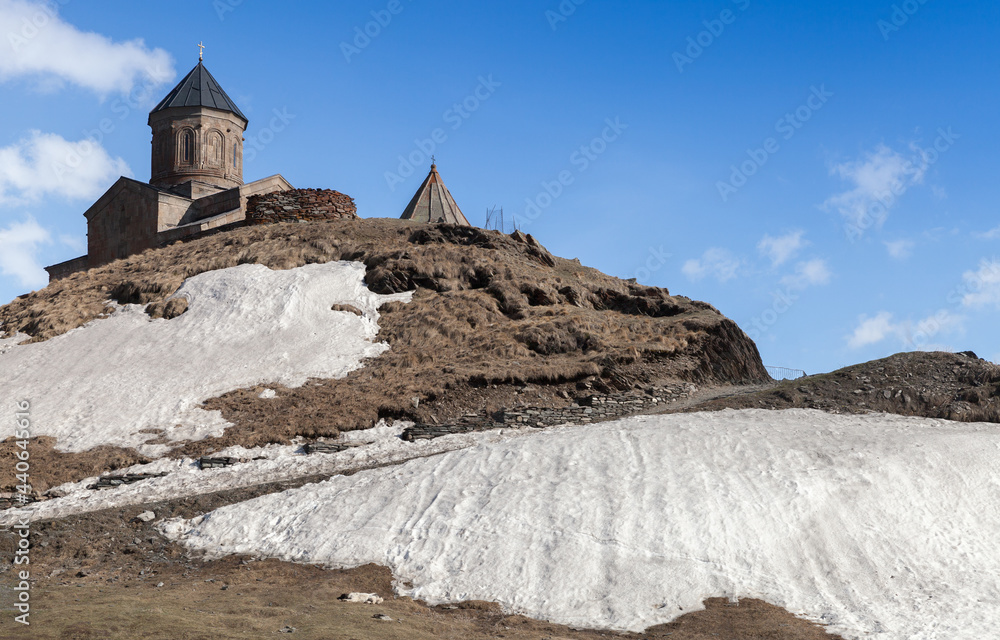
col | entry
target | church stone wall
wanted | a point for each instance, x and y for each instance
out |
(300, 205)
(122, 223)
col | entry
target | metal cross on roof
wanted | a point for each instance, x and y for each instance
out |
(201, 52)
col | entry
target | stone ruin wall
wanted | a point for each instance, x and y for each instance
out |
(300, 205)
(586, 410)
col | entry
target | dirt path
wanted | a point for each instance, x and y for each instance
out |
(709, 394)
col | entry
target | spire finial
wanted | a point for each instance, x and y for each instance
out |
(433, 161)
(201, 52)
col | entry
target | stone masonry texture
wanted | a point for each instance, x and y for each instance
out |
(300, 205)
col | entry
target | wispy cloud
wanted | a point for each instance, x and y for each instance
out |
(900, 249)
(47, 164)
(19, 244)
(992, 234)
(983, 285)
(807, 274)
(879, 178)
(716, 262)
(911, 335)
(782, 248)
(39, 44)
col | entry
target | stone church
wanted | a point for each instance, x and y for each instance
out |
(196, 182)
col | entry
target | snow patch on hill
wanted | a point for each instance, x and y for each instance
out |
(106, 382)
(873, 524)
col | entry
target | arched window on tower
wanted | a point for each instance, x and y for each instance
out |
(186, 147)
(216, 148)
(236, 146)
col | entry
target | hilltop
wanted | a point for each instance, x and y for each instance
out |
(495, 322)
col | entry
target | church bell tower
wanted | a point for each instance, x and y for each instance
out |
(197, 137)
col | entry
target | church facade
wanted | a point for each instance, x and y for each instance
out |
(196, 179)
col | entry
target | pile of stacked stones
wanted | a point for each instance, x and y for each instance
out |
(106, 482)
(331, 447)
(13, 500)
(206, 462)
(300, 205)
(589, 409)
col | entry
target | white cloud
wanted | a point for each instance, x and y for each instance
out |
(992, 234)
(783, 248)
(47, 164)
(810, 273)
(39, 43)
(880, 177)
(900, 249)
(910, 335)
(983, 286)
(18, 246)
(871, 330)
(716, 262)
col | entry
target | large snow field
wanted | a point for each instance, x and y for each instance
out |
(880, 525)
(105, 382)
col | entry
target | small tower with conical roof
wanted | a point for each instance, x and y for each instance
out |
(197, 137)
(433, 203)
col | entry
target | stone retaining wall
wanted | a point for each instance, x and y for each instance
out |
(300, 205)
(596, 408)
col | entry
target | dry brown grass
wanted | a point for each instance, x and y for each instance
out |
(489, 309)
(50, 467)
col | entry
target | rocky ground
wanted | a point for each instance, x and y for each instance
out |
(953, 386)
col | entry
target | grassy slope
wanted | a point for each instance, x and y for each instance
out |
(491, 313)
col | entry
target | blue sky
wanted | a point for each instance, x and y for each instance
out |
(823, 173)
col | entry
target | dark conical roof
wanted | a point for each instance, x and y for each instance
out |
(199, 89)
(433, 203)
